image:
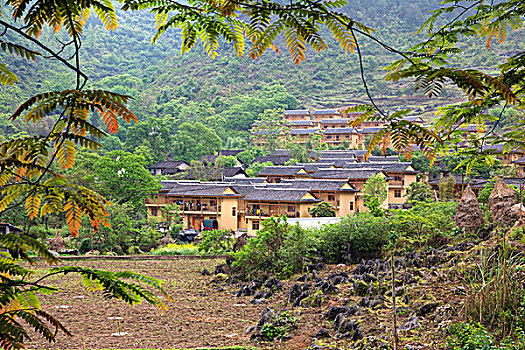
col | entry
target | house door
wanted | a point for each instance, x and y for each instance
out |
(196, 222)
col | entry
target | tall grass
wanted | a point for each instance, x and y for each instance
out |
(496, 291)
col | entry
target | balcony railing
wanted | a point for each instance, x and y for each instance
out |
(267, 213)
(397, 183)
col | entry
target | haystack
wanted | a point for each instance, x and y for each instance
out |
(57, 243)
(501, 201)
(468, 215)
(166, 239)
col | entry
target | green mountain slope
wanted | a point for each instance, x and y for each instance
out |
(228, 93)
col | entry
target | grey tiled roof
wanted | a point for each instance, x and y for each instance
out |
(280, 152)
(316, 184)
(245, 180)
(167, 164)
(340, 131)
(280, 170)
(372, 130)
(392, 159)
(199, 189)
(274, 194)
(344, 173)
(230, 152)
(335, 121)
(301, 122)
(396, 167)
(232, 171)
(337, 154)
(326, 111)
(296, 112)
(303, 131)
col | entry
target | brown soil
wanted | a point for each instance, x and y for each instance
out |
(202, 316)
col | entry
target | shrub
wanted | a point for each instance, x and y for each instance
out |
(177, 249)
(216, 242)
(85, 245)
(467, 336)
(426, 224)
(323, 209)
(261, 253)
(278, 249)
(353, 238)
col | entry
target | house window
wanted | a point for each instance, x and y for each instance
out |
(337, 138)
(397, 178)
(234, 211)
(255, 225)
(397, 193)
(331, 197)
(351, 205)
(291, 208)
(154, 212)
(328, 137)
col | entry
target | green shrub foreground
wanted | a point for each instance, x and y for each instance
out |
(281, 249)
(466, 336)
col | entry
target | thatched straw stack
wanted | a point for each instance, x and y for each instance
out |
(501, 201)
(57, 243)
(468, 214)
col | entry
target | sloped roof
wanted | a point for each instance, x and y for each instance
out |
(280, 170)
(336, 121)
(317, 184)
(395, 167)
(232, 171)
(164, 164)
(326, 111)
(345, 173)
(303, 131)
(337, 154)
(311, 167)
(230, 152)
(280, 194)
(245, 180)
(340, 131)
(301, 122)
(296, 112)
(370, 130)
(280, 152)
(392, 159)
(201, 190)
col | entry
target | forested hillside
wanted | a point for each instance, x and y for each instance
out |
(221, 97)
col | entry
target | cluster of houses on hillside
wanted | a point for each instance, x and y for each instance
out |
(332, 125)
(237, 202)
(240, 203)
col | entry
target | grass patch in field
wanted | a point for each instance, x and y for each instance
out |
(177, 249)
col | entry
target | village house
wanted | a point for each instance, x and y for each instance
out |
(168, 167)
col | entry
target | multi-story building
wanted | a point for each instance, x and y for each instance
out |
(241, 205)
(333, 125)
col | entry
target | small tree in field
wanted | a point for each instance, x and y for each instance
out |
(420, 192)
(447, 188)
(171, 214)
(323, 209)
(375, 193)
